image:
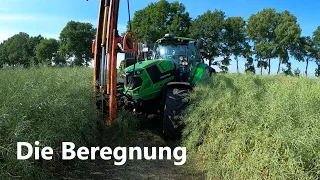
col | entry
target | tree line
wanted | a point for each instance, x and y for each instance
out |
(264, 37)
(73, 48)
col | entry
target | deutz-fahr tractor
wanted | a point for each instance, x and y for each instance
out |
(159, 86)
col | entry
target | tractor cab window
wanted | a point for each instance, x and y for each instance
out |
(176, 53)
(193, 53)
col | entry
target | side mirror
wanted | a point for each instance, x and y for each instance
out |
(199, 44)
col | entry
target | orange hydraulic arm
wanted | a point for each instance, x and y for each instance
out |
(105, 49)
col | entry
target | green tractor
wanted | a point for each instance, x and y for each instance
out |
(160, 85)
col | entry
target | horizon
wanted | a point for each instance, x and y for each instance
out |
(38, 17)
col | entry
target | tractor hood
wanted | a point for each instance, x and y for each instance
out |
(144, 80)
(140, 65)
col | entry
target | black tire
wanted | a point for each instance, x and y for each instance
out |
(175, 103)
(119, 94)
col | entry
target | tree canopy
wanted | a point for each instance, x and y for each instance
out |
(76, 41)
(273, 35)
(265, 36)
(47, 50)
(19, 50)
(157, 19)
(208, 26)
(235, 39)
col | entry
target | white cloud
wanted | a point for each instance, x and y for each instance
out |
(5, 9)
(17, 18)
(5, 34)
(32, 17)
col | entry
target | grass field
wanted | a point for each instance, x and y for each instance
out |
(56, 105)
(238, 127)
(47, 105)
(255, 127)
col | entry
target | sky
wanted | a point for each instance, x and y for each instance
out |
(48, 17)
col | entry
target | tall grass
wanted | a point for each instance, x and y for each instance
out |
(238, 126)
(46, 105)
(255, 127)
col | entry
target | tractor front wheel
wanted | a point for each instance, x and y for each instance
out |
(175, 103)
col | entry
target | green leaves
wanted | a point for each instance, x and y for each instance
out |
(46, 50)
(19, 50)
(261, 26)
(157, 19)
(274, 34)
(76, 40)
(24, 50)
(235, 38)
(209, 26)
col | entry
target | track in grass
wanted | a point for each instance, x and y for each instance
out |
(148, 134)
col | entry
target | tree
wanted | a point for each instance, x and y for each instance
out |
(157, 19)
(19, 50)
(316, 41)
(288, 71)
(29, 52)
(316, 37)
(317, 70)
(76, 41)
(297, 72)
(235, 38)
(209, 26)
(262, 64)
(3, 54)
(249, 66)
(305, 51)
(47, 50)
(15, 48)
(59, 60)
(261, 29)
(287, 33)
(273, 34)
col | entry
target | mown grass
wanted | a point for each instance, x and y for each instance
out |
(47, 105)
(255, 127)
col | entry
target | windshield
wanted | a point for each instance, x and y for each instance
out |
(176, 53)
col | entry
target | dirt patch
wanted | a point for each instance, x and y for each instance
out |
(147, 135)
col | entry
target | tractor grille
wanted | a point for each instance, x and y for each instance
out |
(133, 82)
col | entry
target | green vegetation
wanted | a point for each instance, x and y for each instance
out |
(273, 35)
(47, 50)
(73, 48)
(157, 19)
(47, 105)
(264, 37)
(255, 127)
(238, 126)
(76, 41)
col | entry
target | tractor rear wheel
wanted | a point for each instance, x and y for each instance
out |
(175, 103)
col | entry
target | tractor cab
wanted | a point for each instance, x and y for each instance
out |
(177, 49)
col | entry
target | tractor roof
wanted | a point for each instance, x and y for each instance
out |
(169, 38)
